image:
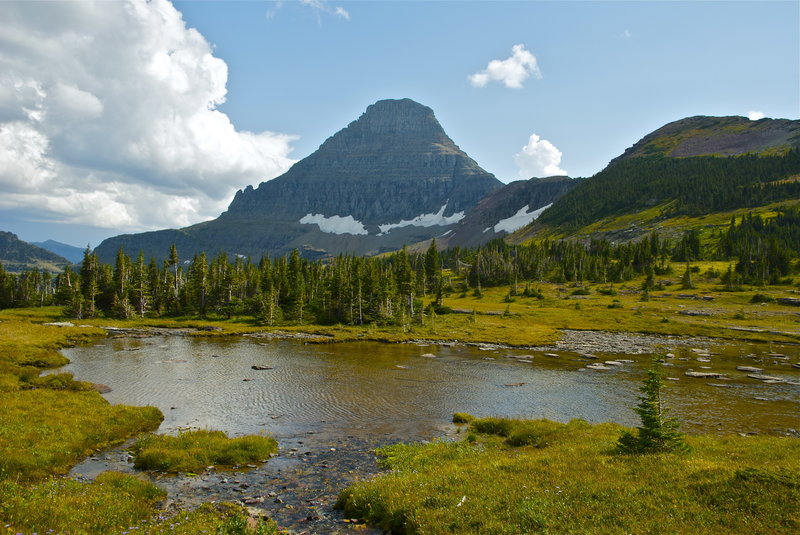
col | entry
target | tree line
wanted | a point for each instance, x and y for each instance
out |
(398, 288)
(697, 185)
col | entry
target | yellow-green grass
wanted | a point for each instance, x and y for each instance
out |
(658, 219)
(572, 481)
(112, 504)
(192, 451)
(45, 431)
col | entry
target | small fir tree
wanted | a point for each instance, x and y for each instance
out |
(686, 280)
(658, 432)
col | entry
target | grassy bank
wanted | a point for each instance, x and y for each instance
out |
(571, 480)
(48, 423)
(113, 504)
(193, 451)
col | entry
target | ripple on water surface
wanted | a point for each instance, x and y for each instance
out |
(371, 389)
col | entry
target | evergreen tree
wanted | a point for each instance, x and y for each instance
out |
(658, 432)
(686, 280)
(90, 284)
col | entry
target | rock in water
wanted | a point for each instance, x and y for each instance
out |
(392, 177)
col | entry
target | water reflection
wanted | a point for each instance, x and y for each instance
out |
(371, 389)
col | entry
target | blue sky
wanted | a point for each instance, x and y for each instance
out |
(157, 113)
(611, 71)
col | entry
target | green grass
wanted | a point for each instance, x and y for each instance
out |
(192, 451)
(112, 504)
(46, 432)
(571, 481)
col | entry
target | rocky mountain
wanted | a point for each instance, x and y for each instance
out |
(17, 255)
(507, 209)
(717, 136)
(391, 177)
(688, 168)
(70, 252)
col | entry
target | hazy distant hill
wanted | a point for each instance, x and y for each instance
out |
(71, 253)
(389, 178)
(17, 255)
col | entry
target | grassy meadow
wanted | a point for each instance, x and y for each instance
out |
(554, 478)
(568, 478)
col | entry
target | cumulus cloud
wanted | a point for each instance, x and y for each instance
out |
(511, 71)
(755, 115)
(108, 117)
(539, 158)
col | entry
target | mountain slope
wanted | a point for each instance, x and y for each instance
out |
(692, 167)
(70, 252)
(507, 209)
(391, 177)
(17, 255)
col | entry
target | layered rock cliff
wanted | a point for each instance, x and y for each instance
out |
(391, 177)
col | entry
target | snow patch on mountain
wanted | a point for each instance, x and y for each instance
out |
(520, 219)
(335, 224)
(425, 220)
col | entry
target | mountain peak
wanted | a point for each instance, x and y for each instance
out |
(389, 125)
(392, 176)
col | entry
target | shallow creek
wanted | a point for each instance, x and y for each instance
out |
(329, 406)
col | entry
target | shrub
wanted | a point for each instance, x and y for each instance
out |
(462, 418)
(524, 437)
(762, 298)
(492, 426)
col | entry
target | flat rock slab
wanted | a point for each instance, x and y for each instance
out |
(766, 378)
(428, 356)
(750, 369)
(260, 367)
(554, 355)
(613, 363)
(779, 356)
(597, 367)
(703, 375)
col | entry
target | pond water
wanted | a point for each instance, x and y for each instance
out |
(330, 405)
(391, 390)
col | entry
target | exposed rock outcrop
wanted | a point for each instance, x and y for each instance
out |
(391, 177)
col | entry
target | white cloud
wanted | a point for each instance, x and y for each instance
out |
(539, 158)
(511, 71)
(755, 115)
(321, 6)
(626, 34)
(108, 118)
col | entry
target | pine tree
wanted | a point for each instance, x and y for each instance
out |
(686, 280)
(90, 285)
(658, 432)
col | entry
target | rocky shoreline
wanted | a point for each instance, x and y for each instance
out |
(297, 488)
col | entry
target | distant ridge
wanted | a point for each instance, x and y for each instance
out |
(17, 255)
(71, 253)
(692, 167)
(391, 177)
